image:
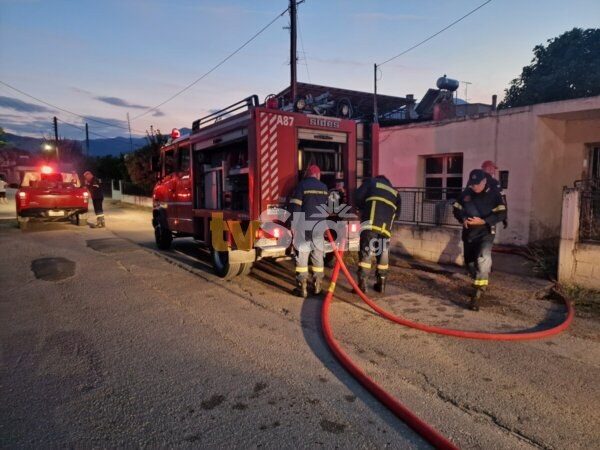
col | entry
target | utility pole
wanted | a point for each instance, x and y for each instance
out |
(293, 59)
(56, 137)
(375, 110)
(130, 139)
(87, 140)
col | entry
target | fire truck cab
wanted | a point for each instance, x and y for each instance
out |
(233, 174)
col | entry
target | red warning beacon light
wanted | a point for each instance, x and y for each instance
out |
(175, 134)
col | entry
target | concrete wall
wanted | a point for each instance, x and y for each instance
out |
(579, 263)
(587, 266)
(544, 148)
(137, 200)
(440, 245)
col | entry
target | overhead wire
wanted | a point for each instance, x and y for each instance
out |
(89, 119)
(80, 128)
(223, 61)
(434, 35)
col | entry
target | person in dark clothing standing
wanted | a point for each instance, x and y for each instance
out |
(490, 167)
(93, 186)
(379, 204)
(478, 208)
(309, 195)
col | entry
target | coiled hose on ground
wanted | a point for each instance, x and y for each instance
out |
(402, 412)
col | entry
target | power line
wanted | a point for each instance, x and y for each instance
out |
(89, 119)
(80, 128)
(304, 53)
(434, 35)
(213, 69)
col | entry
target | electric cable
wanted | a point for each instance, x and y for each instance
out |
(223, 61)
(434, 35)
(89, 119)
(80, 128)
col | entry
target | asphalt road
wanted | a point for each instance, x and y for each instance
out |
(106, 342)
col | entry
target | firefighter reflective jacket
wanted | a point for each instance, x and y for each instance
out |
(487, 205)
(379, 203)
(309, 195)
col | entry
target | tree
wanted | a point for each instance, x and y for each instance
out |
(2, 141)
(568, 67)
(139, 163)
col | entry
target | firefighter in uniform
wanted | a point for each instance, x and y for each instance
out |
(478, 208)
(304, 205)
(379, 204)
(490, 167)
(93, 186)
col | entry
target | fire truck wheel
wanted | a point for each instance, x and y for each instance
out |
(222, 266)
(162, 236)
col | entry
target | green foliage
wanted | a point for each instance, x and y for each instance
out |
(568, 67)
(139, 163)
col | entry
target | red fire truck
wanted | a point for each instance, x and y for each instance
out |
(240, 165)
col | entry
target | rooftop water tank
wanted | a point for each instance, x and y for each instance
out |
(447, 84)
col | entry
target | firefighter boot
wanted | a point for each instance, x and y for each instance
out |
(476, 298)
(301, 289)
(380, 285)
(99, 222)
(317, 286)
(362, 284)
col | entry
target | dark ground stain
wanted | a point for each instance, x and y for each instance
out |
(457, 316)
(487, 379)
(260, 386)
(240, 406)
(380, 353)
(550, 343)
(212, 402)
(323, 379)
(350, 398)
(266, 427)
(313, 401)
(111, 245)
(441, 308)
(53, 269)
(192, 438)
(332, 427)
(411, 310)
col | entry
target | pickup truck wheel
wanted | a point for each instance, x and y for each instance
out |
(162, 236)
(81, 219)
(22, 222)
(222, 266)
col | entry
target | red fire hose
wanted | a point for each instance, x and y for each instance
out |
(402, 412)
(452, 332)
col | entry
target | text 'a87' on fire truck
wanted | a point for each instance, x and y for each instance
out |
(227, 183)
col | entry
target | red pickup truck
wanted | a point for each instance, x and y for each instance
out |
(51, 195)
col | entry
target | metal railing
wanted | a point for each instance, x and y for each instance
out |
(428, 206)
(589, 220)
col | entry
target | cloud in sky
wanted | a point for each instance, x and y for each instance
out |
(21, 106)
(158, 113)
(116, 101)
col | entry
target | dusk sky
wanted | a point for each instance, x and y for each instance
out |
(104, 59)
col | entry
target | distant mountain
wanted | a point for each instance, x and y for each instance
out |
(98, 147)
